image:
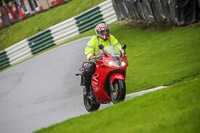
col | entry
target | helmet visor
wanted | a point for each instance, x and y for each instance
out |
(105, 32)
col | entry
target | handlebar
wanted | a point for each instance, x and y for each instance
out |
(97, 58)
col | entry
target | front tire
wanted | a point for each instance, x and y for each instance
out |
(118, 92)
(89, 101)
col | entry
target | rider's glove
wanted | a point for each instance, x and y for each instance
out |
(92, 58)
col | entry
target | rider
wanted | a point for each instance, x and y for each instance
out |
(92, 50)
(103, 36)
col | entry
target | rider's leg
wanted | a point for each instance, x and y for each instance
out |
(89, 71)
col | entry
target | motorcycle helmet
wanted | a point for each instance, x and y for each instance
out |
(102, 30)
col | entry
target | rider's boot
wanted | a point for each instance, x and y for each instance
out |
(86, 90)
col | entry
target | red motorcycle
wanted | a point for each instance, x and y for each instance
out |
(108, 81)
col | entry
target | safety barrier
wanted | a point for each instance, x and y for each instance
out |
(4, 60)
(64, 30)
(104, 12)
(178, 12)
(18, 52)
(89, 19)
(108, 13)
(41, 41)
(58, 34)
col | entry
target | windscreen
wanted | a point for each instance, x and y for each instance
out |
(114, 52)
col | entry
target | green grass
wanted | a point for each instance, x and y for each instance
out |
(175, 109)
(161, 58)
(42, 21)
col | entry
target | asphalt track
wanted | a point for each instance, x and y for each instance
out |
(42, 90)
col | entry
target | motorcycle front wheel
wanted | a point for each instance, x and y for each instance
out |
(118, 92)
(89, 101)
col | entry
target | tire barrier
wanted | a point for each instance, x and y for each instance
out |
(89, 19)
(64, 30)
(4, 60)
(104, 12)
(178, 12)
(108, 13)
(58, 34)
(41, 41)
(18, 52)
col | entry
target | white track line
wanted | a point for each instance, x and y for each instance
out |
(132, 95)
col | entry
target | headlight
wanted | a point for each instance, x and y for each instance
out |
(111, 63)
(123, 63)
(116, 63)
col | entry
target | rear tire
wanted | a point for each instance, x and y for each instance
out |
(119, 91)
(89, 101)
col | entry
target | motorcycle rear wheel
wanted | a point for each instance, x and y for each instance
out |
(89, 102)
(119, 91)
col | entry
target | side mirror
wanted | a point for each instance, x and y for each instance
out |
(101, 46)
(123, 46)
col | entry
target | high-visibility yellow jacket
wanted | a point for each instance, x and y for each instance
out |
(92, 46)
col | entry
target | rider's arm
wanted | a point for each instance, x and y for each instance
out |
(116, 43)
(90, 48)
